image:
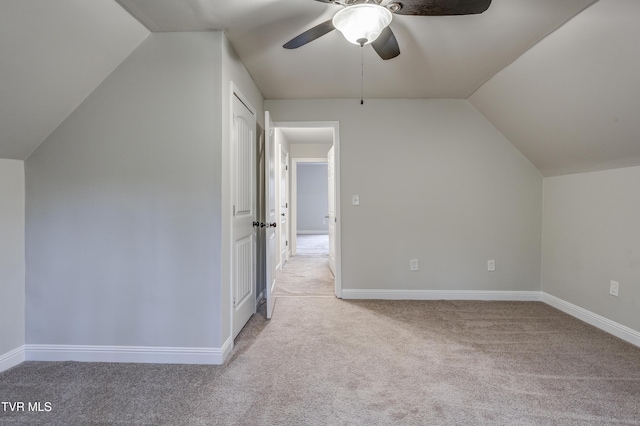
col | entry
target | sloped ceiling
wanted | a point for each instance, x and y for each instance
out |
(572, 103)
(441, 56)
(558, 78)
(54, 53)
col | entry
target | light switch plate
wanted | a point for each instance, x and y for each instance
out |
(491, 265)
(355, 200)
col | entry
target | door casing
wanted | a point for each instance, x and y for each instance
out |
(335, 126)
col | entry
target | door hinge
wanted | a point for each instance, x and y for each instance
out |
(234, 303)
(234, 210)
(286, 167)
(286, 243)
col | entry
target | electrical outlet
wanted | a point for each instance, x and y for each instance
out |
(413, 264)
(355, 200)
(613, 288)
(491, 265)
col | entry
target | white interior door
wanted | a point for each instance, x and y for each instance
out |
(244, 215)
(331, 219)
(284, 206)
(270, 211)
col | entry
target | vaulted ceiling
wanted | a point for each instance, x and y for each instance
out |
(558, 78)
(53, 54)
(441, 57)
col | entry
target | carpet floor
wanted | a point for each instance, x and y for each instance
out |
(312, 245)
(305, 276)
(325, 361)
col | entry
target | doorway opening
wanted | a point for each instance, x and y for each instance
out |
(311, 200)
(312, 256)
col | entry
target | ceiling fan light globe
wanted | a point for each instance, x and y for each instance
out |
(362, 23)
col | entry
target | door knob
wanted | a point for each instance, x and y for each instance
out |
(264, 225)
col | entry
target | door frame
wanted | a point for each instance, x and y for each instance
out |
(287, 195)
(335, 126)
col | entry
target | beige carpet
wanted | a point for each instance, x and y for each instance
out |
(305, 276)
(312, 245)
(325, 361)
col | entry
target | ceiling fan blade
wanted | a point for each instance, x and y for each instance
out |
(386, 45)
(443, 7)
(310, 35)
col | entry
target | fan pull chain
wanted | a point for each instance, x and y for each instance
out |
(362, 74)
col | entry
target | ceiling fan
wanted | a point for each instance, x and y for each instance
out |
(378, 13)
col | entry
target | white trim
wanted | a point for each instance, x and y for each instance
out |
(283, 151)
(137, 354)
(321, 232)
(622, 331)
(12, 358)
(338, 217)
(335, 125)
(235, 91)
(533, 296)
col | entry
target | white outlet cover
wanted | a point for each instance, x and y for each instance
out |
(355, 200)
(491, 265)
(613, 288)
(413, 264)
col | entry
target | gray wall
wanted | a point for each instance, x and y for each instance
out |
(123, 210)
(592, 236)
(312, 198)
(437, 182)
(12, 269)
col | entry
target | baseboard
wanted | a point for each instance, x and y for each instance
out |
(625, 333)
(12, 358)
(136, 354)
(440, 295)
(308, 232)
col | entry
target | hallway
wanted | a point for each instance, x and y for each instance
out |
(312, 245)
(305, 276)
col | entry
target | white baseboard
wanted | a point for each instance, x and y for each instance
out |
(137, 354)
(11, 358)
(216, 356)
(311, 232)
(625, 333)
(440, 295)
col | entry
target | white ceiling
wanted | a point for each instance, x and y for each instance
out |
(53, 54)
(559, 78)
(441, 57)
(572, 103)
